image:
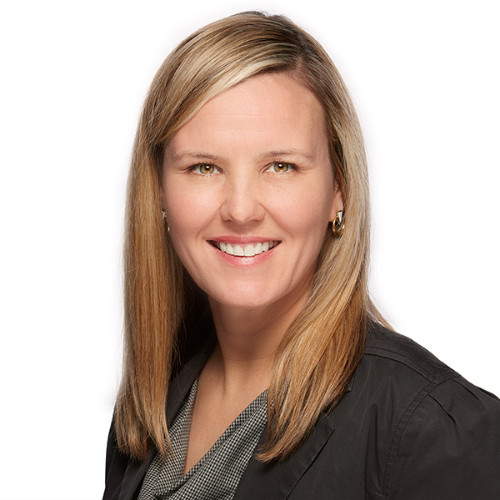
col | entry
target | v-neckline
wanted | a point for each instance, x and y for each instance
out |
(240, 419)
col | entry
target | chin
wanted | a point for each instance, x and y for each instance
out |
(243, 303)
(244, 299)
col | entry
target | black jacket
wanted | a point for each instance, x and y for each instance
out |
(408, 428)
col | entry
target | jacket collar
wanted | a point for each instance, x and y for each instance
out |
(276, 481)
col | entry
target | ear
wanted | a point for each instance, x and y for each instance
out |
(162, 199)
(337, 202)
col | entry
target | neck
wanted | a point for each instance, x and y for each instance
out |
(248, 340)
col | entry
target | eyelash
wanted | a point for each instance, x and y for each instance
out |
(215, 170)
(290, 166)
(197, 169)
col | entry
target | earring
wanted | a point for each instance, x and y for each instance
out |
(164, 215)
(338, 224)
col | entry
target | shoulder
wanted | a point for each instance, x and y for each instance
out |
(385, 347)
(116, 464)
(392, 359)
(124, 473)
(442, 432)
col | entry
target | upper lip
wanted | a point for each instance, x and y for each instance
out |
(241, 240)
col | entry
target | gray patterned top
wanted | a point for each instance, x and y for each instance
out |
(217, 474)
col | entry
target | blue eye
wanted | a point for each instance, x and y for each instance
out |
(280, 167)
(205, 169)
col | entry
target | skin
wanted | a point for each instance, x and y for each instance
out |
(252, 166)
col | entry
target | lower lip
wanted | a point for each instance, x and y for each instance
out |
(245, 261)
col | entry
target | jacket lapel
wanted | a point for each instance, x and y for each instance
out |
(276, 481)
(180, 386)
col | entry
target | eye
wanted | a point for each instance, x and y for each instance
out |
(280, 167)
(205, 169)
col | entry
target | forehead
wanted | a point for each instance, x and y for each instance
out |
(270, 111)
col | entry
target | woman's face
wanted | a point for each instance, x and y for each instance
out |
(248, 189)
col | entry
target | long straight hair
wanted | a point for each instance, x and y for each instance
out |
(321, 349)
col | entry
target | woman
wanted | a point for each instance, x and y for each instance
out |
(256, 365)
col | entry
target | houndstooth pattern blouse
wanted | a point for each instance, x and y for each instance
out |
(217, 474)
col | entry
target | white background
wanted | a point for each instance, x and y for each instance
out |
(425, 78)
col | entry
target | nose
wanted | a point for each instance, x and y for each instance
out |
(242, 202)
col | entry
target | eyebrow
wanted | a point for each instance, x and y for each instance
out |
(267, 155)
(287, 152)
(189, 154)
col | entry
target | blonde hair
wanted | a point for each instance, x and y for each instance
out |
(323, 346)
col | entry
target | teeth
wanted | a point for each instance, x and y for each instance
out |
(249, 250)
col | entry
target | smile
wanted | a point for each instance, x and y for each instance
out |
(247, 250)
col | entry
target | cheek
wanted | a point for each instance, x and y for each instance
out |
(304, 211)
(187, 209)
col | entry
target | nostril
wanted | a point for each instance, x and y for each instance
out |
(242, 210)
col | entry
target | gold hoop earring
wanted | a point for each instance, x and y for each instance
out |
(164, 215)
(338, 224)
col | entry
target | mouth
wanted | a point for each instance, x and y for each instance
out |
(245, 250)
